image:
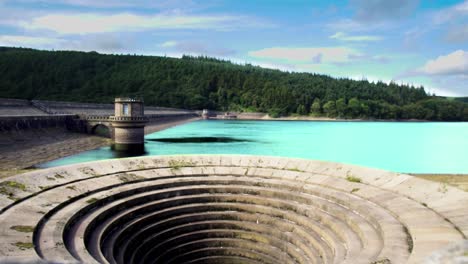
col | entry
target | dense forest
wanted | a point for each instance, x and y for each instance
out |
(202, 82)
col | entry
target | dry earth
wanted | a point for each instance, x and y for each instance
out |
(20, 151)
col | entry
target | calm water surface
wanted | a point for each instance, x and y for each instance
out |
(396, 146)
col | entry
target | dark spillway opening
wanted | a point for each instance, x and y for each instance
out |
(199, 140)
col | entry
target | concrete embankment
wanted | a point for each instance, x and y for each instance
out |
(227, 209)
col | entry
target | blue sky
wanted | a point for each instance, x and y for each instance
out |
(421, 42)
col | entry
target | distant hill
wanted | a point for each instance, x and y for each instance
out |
(460, 99)
(202, 82)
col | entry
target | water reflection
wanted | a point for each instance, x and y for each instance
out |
(199, 140)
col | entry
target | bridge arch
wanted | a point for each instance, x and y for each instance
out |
(101, 130)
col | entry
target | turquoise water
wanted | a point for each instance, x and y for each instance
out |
(396, 146)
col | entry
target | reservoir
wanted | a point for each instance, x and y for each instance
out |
(407, 147)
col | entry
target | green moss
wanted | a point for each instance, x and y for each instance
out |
(6, 192)
(92, 200)
(177, 164)
(354, 190)
(424, 204)
(13, 184)
(351, 178)
(24, 246)
(24, 229)
(295, 169)
(8, 188)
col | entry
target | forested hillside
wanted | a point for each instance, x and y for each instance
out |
(197, 83)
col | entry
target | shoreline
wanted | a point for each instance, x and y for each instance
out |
(21, 151)
(266, 117)
(457, 180)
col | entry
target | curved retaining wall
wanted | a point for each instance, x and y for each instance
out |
(226, 209)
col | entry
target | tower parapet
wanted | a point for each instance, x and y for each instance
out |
(129, 125)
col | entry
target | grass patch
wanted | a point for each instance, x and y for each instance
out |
(24, 229)
(13, 184)
(177, 164)
(24, 246)
(351, 178)
(92, 200)
(8, 189)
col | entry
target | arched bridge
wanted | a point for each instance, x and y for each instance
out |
(101, 125)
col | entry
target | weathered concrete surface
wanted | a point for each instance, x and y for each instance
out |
(456, 253)
(219, 208)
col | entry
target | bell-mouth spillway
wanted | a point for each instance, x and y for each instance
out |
(226, 209)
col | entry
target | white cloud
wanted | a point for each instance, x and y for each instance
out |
(307, 55)
(25, 41)
(455, 63)
(197, 48)
(89, 23)
(458, 34)
(380, 10)
(168, 44)
(115, 3)
(345, 37)
(451, 13)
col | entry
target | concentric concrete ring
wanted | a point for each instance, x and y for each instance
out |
(226, 209)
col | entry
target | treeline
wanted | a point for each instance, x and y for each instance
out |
(202, 82)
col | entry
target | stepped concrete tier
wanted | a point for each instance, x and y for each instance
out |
(226, 209)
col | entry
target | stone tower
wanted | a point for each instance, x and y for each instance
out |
(129, 125)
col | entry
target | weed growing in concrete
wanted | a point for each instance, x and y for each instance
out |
(24, 246)
(14, 185)
(59, 176)
(71, 187)
(24, 229)
(177, 164)
(351, 178)
(295, 169)
(92, 200)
